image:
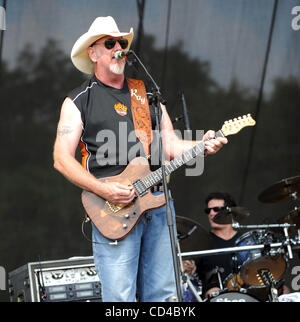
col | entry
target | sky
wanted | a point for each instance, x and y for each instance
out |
(232, 35)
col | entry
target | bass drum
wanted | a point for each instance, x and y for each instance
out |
(233, 297)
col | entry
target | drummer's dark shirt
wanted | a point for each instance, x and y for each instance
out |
(206, 264)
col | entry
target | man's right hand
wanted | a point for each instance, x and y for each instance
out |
(117, 193)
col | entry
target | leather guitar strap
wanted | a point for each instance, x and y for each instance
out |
(140, 112)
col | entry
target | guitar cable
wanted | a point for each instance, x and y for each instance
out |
(86, 220)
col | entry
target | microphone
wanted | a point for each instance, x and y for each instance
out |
(121, 54)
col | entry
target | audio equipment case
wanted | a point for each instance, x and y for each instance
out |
(67, 280)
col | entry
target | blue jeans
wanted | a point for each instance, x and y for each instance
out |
(141, 264)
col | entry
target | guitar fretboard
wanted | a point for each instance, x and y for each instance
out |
(156, 176)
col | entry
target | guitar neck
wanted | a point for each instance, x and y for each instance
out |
(156, 176)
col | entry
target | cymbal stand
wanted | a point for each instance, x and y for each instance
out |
(288, 242)
(186, 278)
(216, 271)
(236, 225)
(219, 271)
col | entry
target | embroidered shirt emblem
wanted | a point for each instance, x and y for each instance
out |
(121, 109)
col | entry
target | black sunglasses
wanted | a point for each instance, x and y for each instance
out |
(111, 42)
(215, 209)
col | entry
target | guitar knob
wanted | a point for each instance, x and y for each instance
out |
(127, 216)
(124, 226)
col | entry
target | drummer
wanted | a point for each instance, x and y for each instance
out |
(222, 236)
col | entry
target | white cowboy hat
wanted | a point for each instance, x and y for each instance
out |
(101, 27)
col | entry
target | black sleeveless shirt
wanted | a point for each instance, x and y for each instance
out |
(108, 142)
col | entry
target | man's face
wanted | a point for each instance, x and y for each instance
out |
(211, 204)
(105, 56)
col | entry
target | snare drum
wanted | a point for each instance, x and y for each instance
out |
(253, 262)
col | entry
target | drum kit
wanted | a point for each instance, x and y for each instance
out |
(260, 256)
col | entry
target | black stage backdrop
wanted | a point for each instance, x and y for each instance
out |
(228, 58)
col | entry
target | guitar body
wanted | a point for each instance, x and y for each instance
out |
(115, 222)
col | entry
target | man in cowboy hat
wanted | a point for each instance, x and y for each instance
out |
(141, 263)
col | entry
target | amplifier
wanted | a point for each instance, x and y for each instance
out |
(68, 280)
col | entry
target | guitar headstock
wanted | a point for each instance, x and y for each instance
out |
(234, 126)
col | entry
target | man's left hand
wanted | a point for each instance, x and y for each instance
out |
(213, 144)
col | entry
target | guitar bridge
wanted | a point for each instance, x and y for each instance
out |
(112, 207)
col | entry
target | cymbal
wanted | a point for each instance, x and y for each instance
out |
(292, 218)
(191, 235)
(225, 217)
(282, 190)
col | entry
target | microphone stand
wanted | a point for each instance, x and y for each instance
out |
(156, 100)
(185, 114)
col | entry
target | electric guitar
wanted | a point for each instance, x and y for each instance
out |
(116, 222)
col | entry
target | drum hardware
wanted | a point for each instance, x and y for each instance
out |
(218, 251)
(288, 242)
(193, 294)
(268, 280)
(285, 227)
(189, 234)
(293, 217)
(267, 255)
(236, 225)
(217, 271)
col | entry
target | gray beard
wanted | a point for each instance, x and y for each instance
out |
(117, 69)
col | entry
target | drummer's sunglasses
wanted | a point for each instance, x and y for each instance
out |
(215, 209)
(110, 43)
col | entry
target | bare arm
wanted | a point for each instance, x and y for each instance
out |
(69, 131)
(174, 146)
